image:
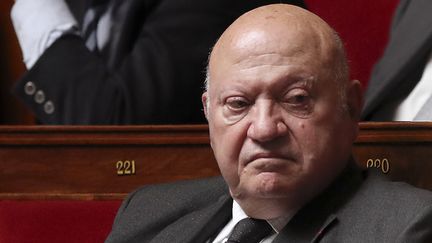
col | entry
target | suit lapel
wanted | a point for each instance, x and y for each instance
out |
(306, 232)
(410, 43)
(319, 216)
(326, 226)
(198, 226)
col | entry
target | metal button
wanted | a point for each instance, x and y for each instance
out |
(49, 107)
(29, 88)
(39, 97)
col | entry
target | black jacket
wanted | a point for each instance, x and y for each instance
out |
(357, 207)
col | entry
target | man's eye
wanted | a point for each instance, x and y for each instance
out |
(298, 99)
(237, 103)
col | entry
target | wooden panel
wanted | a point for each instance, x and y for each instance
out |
(405, 146)
(79, 162)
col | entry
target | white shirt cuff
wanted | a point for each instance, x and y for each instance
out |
(38, 24)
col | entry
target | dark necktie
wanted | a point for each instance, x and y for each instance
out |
(250, 230)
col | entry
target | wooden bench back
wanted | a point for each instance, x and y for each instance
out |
(107, 162)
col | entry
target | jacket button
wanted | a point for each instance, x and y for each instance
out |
(39, 97)
(49, 107)
(29, 88)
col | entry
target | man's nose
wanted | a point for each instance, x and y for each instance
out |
(267, 122)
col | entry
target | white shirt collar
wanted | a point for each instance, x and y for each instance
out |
(238, 214)
(277, 223)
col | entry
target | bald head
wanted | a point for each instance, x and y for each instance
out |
(280, 26)
(286, 29)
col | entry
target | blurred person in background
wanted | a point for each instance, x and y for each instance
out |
(119, 61)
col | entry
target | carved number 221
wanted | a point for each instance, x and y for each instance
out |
(125, 167)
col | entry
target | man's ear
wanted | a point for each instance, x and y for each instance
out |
(205, 100)
(355, 99)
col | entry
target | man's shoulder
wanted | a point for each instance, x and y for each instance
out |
(388, 205)
(154, 208)
(368, 194)
(385, 211)
(196, 186)
(184, 192)
(381, 190)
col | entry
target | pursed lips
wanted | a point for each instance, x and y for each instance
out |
(268, 155)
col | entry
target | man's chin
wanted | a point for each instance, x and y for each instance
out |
(265, 185)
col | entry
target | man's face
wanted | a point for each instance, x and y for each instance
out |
(275, 115)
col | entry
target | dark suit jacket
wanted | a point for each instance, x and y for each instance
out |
(152, 70)
(357, 207)
(402, 64)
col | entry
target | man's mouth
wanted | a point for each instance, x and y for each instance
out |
(266, 159)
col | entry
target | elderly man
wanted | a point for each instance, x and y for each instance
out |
(283, 116)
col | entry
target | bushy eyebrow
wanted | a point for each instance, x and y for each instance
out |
(307, 82)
